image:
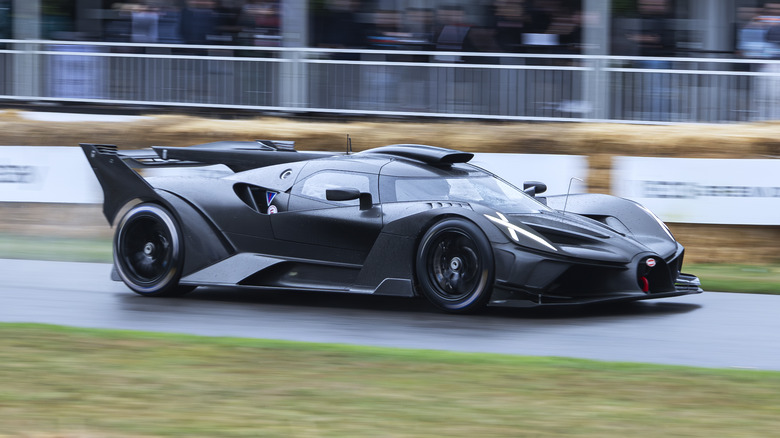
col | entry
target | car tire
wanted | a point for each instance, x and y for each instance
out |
(149, 251)
(454, 266)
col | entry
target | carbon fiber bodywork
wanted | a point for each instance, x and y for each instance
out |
(374, 223)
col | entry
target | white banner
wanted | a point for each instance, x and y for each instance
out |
(56, 174)
(556, 171)
(706, 191)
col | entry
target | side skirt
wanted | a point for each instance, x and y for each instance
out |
(266, 272)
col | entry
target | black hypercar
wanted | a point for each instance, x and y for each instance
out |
(403, 220)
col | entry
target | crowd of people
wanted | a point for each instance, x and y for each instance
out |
(203, 22)
(645, 27)
(497, 26)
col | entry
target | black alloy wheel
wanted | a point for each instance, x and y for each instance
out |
(455, 268)
(148, 251)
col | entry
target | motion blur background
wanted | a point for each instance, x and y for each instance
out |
(412, 64)
(625, 60)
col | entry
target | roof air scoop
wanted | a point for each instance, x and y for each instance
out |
(278, 145)
(428, 154)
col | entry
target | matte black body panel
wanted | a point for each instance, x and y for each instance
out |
(263, 227)
(336, 227)
(203, 243)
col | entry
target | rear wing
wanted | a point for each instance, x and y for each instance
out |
(237, 155)
(120, 183)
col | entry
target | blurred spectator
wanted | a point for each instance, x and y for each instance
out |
(553, 26)
(418, 24)
(144, 24)
(453, 33)
(118, 26)
(511, 22)
(749, 34)
(5, 18)
(566, 23)
(385, 31)
(414, 84)
(381, 82)
(655, 35)
(654, 38)
(338, 26)
(759, 38)
(57, 19)
(169, 25)
(199, 22)
(259, 21)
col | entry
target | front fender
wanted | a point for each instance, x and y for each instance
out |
(623, 215)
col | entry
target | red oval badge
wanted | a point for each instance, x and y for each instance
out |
(650, 262)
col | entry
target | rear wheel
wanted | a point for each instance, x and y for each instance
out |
(455, 268)
(149, 252)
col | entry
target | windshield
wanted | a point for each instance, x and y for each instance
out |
(484, 189)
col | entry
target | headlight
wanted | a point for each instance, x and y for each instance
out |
(513, 230)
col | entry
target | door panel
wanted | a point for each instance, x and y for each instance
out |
(312, 220)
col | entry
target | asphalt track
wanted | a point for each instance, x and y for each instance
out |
(710, 330)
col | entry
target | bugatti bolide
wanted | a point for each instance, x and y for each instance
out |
(403, 220)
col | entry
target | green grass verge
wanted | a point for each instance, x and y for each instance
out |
(69, 382)
(715, 277)
(738, 278)
(55, 248)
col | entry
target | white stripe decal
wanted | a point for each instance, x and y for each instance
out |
(514, 229)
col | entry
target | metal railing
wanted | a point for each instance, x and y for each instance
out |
(394, 82)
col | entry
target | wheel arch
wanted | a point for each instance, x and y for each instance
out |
(202, 241)
(401, 237)
(470, 302)
(204, 244)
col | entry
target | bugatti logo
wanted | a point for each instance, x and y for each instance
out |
(650, 262)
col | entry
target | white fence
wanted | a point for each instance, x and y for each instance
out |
(394, 82)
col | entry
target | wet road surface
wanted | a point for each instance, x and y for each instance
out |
(710, 329)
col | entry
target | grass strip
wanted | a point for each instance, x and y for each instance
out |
(763, 279)
(715, 277)
(70, 382)
(55, 248)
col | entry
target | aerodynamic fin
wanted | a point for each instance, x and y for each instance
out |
(120, 183)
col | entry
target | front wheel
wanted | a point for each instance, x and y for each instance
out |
(149, 252)
(455, 268)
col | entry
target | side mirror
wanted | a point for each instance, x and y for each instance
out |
(534, 188)
(348, 194)
(366, 201)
